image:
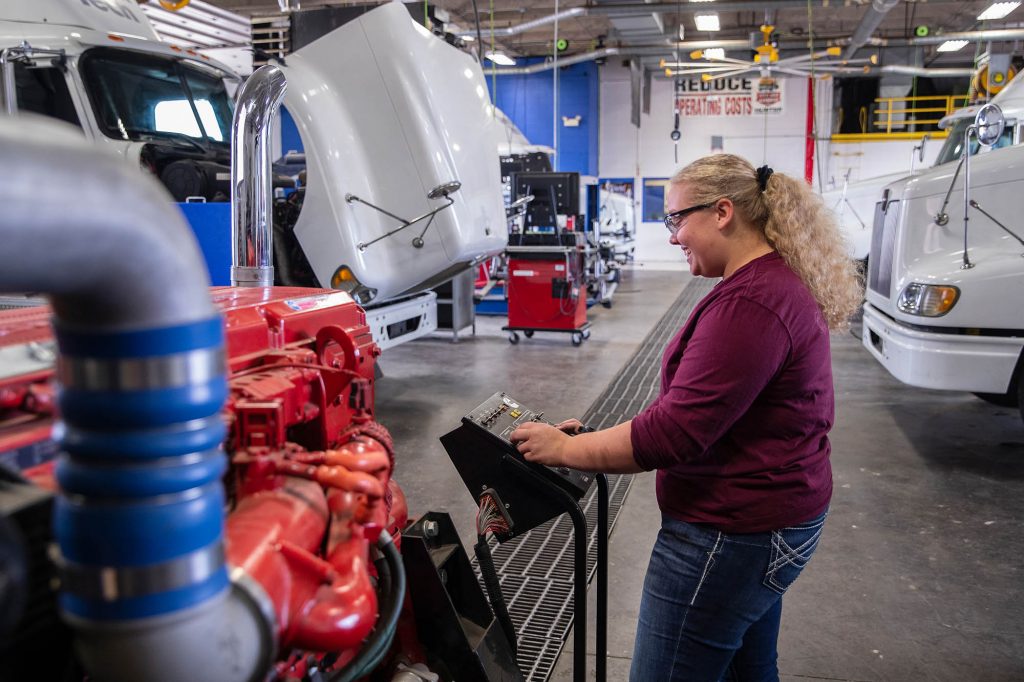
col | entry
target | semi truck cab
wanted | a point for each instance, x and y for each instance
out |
(942, 307)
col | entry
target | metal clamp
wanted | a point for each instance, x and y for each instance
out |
(113, 583)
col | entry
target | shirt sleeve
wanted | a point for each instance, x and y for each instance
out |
(737, 347)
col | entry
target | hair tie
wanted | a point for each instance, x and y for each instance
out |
(763, 173)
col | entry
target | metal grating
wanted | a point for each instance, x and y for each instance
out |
(536, 569)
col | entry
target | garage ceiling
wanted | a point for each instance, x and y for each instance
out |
(646, 27)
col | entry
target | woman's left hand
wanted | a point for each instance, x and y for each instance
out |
(541, 443)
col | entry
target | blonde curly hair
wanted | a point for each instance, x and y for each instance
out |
(795, 222)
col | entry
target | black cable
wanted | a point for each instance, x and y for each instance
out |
(494, 595)
(377, 645)
(479, 36)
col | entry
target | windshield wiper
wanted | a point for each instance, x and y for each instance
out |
(179, 137)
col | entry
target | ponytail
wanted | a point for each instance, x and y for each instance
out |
(794, 220)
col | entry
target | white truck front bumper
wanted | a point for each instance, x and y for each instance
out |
(956, 362)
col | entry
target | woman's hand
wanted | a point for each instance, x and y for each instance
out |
(570, 426)
(543, 443)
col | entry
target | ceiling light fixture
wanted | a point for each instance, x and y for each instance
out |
(714, 53)
(468, 38)
(706, 22)
(500, 58)
(952, 45)
(998, 10)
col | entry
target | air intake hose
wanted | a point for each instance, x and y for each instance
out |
(139, 521)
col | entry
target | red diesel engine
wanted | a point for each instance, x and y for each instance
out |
(309, 485)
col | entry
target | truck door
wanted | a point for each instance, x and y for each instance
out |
(44, 90)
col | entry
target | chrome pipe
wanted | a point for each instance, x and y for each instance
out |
(966, 264)
(252, 234)
(7, 73)
(871, 20)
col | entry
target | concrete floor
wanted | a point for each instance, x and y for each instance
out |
(917, 576)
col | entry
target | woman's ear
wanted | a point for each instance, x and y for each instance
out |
(724, 212)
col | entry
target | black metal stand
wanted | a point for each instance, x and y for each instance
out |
(579, 524)
(601, 645)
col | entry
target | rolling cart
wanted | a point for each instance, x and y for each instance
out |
(546, 292)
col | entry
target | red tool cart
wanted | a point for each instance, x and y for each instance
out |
(546, 292)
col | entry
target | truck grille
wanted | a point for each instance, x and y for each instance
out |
(883, 242)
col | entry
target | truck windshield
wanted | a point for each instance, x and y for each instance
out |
(952, 149)
(139, 96)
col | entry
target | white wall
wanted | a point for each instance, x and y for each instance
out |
(870, 159)
(649, 152)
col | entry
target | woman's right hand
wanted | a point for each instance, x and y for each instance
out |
(570, 426)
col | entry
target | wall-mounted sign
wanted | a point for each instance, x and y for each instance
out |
(730, 97)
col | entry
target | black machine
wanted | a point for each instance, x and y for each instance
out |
(480, 449)
(530, 494)
(554, 194)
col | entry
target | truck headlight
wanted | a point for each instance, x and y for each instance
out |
(345, 280)
(927, 300)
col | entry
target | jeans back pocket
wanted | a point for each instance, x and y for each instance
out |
(791, 549)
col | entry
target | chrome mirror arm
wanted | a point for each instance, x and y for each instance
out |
(967, 264)
(976, 205)
(941, 218)
(988, 128)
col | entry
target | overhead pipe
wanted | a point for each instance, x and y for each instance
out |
(252, 234)
(611, 51)
(923, 71)
(139, 517)
(871, 20)
(626, 9)
(988, 35)
(532, 24)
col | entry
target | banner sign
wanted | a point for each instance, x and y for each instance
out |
(735, 96)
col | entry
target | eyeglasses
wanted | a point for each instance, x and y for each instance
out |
(674, 219)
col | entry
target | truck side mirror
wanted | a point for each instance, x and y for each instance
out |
(989, 124)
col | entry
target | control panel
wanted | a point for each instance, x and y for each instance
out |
(480, 447)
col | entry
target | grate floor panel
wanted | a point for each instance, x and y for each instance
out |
(536, 569)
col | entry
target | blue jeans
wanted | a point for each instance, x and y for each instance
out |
(712, 602)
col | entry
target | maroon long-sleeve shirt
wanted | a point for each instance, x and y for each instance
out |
(739, 430)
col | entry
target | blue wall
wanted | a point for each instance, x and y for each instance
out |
(527, 100)
(290, 139)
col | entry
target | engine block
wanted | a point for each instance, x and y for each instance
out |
(309, 485)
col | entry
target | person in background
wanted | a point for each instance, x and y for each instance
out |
(739, 431)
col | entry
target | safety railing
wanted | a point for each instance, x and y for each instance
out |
(895, 118)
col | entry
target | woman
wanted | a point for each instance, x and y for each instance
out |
(738, 432)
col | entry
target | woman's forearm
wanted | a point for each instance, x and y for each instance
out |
(609, 451)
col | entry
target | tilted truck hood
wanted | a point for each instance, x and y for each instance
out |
(387, 111)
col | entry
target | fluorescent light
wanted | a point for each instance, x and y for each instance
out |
(702, 0)
(706, 22)
(998, 10)
(468, 38)
(500, 58)
(952, 45)
(714, 53)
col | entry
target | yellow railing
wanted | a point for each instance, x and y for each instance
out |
(903, 118)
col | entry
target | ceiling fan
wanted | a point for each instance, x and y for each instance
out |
(766, 60)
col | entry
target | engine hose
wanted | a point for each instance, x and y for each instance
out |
(483, 556)
(394, 595)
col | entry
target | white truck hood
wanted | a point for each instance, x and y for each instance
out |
(394, 112)
(912, 247)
